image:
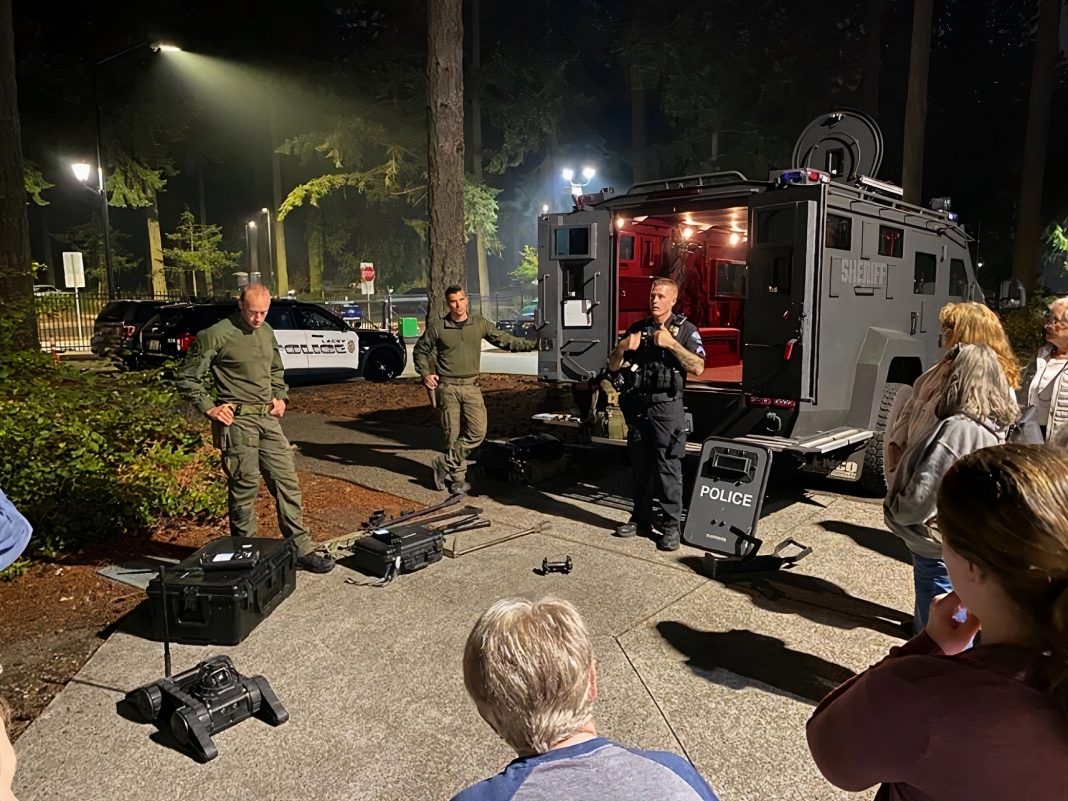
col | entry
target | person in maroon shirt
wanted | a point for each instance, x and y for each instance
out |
(936, 721)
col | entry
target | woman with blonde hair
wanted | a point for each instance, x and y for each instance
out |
(939, 720)
(1045, 387)
(973, 411)
(967, 323)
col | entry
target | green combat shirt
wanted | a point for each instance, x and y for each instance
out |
(452, 349)
(244, 361)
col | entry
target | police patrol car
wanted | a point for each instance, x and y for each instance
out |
(313, 342)
(816, 293)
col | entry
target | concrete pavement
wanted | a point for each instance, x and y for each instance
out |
(723, 672)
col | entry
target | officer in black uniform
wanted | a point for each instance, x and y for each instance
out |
(655, 356)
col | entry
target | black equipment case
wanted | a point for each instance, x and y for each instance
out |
(523, 460)
(403, 549)
(222, 606)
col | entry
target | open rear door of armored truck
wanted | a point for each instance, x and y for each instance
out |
(781, 331)
(575, 316)
(781, 310)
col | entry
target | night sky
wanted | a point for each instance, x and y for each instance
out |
(556, 94)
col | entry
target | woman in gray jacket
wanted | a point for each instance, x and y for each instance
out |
(974, 411)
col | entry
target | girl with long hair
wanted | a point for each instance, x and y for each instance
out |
(939, 721)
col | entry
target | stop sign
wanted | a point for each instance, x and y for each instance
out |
(367, 271)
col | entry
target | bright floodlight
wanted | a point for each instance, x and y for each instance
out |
(588, 172)
(544, 208)
(734, 238)
(167, 48)
(568, 173)
(265, 211)
(251, 223)
(81, 170)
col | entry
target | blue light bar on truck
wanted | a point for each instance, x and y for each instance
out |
(801, 176)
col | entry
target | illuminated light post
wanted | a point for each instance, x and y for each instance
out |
(578, 186)
(82, 168)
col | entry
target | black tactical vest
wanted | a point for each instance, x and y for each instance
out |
(659, 372)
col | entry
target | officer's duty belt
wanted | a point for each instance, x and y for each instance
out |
(458, 381)
(251, 409)
(647, 399)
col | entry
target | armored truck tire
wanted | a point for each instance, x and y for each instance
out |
(873, 478)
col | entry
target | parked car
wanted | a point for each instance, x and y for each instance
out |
(315, 343)
(116, 328)
(352, 314)
(40, 290)
(524, 325)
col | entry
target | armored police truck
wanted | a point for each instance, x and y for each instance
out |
(816, 293)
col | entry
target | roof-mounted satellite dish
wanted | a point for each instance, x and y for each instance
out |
(846, 144)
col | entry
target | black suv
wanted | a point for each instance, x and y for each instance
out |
(116, 328)
(314, 343)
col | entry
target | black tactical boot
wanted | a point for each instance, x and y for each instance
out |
(315, 563)
(631, 529)
(671, 539)
(441, 474)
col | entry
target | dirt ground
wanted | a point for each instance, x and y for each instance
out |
(55, 615)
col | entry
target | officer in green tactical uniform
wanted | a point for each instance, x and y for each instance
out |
(242, 354)
(448, 356)
(660, 351)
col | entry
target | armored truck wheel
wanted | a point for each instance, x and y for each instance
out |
(873, 478)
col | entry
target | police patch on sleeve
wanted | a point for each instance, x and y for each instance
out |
(697, 345)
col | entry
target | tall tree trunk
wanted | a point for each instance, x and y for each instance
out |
(639, 136)
(916, 104)
(313, 236)
(209, 283)
(871, 60)
(476, 150)
(445, 162)
(155, 250)
(278, 227)
(16, 281)
(1026, 264)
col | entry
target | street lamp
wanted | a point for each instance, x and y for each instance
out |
(270, 245)
(82, 171)
(156, 47)
(578, 186)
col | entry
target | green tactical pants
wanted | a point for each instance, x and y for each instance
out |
(463, 419)
(252, 445)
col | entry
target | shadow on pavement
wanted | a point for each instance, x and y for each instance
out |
(874, 539)
(754, 657)
(810, 597)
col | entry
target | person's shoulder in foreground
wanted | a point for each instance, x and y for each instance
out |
(594, 770)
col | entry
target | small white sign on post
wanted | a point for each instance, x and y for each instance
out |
(367, 277)
(73, 271)
(74, 275)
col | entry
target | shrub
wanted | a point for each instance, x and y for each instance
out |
(1024, 327)
(88, 456)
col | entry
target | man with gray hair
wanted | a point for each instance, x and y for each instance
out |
(529, 668)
